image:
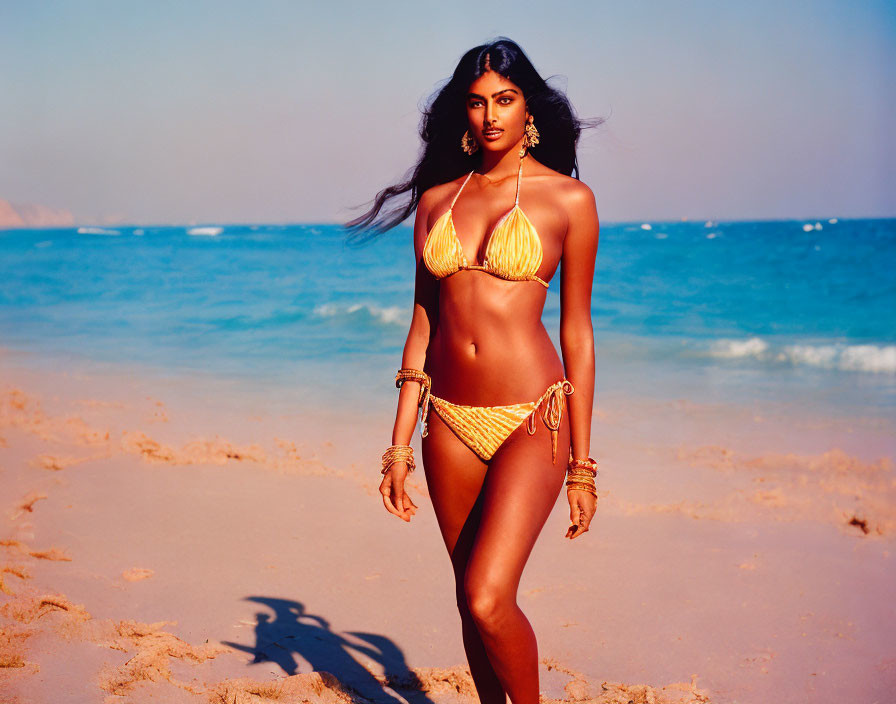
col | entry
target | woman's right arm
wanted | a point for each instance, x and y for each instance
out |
(423, 324)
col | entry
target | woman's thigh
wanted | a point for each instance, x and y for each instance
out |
(520, 490)
(454, 478)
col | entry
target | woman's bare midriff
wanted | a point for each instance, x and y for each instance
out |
(490, 347)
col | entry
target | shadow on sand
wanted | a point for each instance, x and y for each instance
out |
(290, 630)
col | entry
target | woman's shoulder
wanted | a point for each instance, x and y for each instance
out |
(440, 190)
(433, 195)
(569, 190)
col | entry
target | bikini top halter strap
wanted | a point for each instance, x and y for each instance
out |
(519, 176)
(457, 195)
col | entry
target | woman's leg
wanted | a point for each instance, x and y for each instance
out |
(454, 477)
(520, 489)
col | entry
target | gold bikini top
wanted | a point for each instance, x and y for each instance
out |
(513, 252)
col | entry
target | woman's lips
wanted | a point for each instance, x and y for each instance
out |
(492, 135)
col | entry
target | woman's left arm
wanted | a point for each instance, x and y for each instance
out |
(576, 330)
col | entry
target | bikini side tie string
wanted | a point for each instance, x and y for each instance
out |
(424, 402)
(553, 411)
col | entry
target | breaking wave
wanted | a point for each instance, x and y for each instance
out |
(389, 315)
(879, 359)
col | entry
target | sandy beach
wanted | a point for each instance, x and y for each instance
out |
(159, 544)
(225, 227)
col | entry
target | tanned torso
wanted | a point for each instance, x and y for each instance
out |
(488, 345)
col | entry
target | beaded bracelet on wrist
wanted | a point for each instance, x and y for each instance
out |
(398, 453)
(580, 475)
(581, 470)
(578, 466)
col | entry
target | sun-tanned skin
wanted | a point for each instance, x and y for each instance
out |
(482, 341)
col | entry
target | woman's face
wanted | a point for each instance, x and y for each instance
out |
(496, 111)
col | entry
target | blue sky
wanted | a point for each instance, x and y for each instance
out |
(179, 112)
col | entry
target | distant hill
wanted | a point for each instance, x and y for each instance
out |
(29, 215)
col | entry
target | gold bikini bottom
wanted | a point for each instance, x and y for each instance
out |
(485, 428)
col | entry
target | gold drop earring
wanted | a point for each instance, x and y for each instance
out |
(530, 138)
(468, 144)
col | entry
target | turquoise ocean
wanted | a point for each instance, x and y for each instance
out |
(799, 312)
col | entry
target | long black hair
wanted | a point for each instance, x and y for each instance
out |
(444, 122)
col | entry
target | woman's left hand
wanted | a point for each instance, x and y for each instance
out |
(582, 507)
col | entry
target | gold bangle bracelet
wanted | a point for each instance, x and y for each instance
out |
(583, 482)
(581, 487)
(398, 453)
(406, 374)
(579, 482)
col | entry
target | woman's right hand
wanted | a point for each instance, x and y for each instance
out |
(395, 498)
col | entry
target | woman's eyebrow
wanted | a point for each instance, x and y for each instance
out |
(476, 95)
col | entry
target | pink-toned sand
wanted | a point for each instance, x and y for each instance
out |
(156, 546)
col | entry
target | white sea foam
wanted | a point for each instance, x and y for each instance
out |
(753, 347)
(869, 358)
(138, 231)
(207, 231)
(709, 223)
(712, 235)
(97, 231)
(814, 356)
(660, 235)
(646, 226)
(833, 221)
(857, 358)
(390, 315)
(880, 359)
(808, 227)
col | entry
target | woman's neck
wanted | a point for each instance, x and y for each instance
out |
(497, 166)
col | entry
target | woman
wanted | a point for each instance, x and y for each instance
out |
(493, 186)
